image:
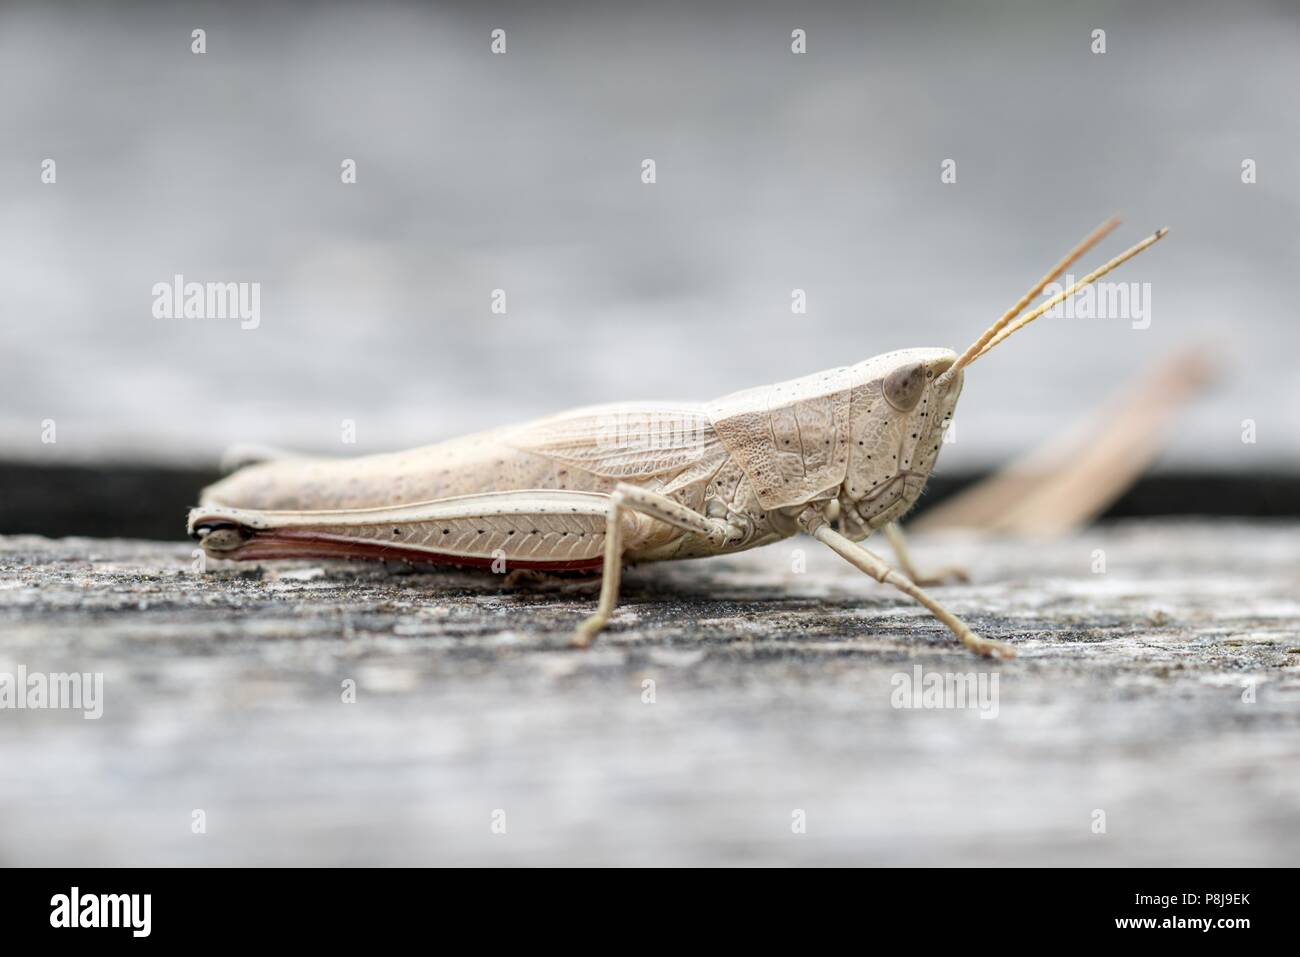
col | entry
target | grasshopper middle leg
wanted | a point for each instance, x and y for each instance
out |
(898, 542)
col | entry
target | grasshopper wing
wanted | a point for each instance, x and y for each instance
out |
(632, 442)
(626, 442)
(668, 445)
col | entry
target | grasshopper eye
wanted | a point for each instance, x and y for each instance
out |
(903, 386)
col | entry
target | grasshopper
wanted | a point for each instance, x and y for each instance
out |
(836, 455)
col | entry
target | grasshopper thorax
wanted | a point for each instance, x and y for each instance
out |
(857, 442)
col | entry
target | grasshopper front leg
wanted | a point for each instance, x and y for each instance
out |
(878, 568)
(630, 498)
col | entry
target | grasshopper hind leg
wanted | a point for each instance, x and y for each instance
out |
(630, 498)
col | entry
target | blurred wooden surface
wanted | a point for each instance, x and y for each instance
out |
(772, 693)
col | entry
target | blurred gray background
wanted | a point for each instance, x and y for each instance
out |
(522, 172)
(775, 171)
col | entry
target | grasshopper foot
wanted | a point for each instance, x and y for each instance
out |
(986, 646)
(941, 576)
(587, 631)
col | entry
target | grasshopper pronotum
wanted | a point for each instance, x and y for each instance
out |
(836, 455)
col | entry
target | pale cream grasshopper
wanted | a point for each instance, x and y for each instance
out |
(836, 455)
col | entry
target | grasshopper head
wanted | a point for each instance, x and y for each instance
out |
(901, 404)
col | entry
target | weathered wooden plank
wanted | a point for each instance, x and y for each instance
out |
(774, 692)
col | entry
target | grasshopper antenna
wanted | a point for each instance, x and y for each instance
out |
(977, 347)
(1001, 330)
(1065, 294)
